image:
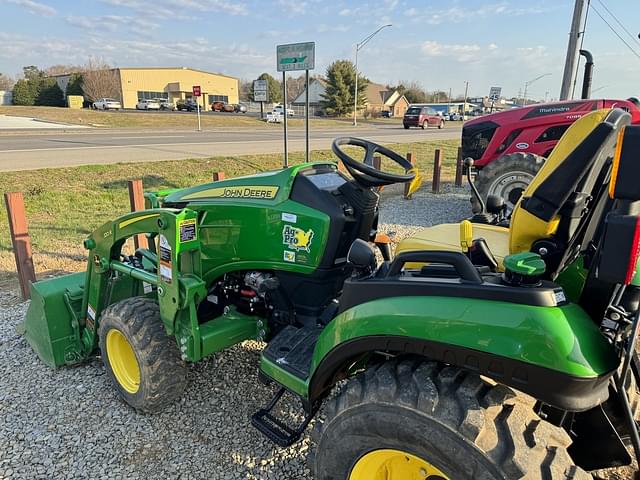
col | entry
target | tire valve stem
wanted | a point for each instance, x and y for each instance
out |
(423, 473)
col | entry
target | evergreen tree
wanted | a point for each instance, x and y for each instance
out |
(339, 94)
(49, 93)
(23, 94)
(74, 87)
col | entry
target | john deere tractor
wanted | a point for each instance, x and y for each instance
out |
(442, 363)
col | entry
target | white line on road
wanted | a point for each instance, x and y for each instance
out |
(148, 136)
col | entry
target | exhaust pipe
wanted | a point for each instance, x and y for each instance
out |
(588, 73)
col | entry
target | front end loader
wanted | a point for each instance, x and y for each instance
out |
(443, 363)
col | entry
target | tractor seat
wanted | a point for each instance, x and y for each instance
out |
(551, 203)
(446, 237)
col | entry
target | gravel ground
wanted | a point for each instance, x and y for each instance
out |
(70, 423)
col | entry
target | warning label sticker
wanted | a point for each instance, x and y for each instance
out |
(166, 270)
(188, 231)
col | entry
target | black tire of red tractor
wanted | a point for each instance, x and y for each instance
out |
(512, 162)
(462, 425)
(163, 374)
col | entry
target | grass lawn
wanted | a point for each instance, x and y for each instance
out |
(64, 205)
(114, 119)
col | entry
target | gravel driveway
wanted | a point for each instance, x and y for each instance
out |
(70, 423)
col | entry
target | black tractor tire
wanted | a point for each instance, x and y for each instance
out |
(450, 418)
(162, 372)
(507, 177)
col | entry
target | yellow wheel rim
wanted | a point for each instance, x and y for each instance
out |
(122, 359)
(394, 465)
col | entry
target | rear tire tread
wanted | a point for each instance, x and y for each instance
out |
(493, 418)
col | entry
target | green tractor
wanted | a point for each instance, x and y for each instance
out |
(441, 363)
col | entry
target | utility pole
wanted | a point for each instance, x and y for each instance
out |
(571, 62)
(464, 105)
(358, 47)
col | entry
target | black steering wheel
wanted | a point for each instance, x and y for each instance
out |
(364, 172)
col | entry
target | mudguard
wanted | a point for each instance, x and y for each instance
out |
(556, 354)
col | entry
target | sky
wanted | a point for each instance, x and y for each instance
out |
(439, 43)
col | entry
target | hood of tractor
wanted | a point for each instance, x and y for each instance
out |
(272, 187)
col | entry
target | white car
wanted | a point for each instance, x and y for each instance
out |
(165, 104)
(148, 105)
(106, 104)
(280, 109)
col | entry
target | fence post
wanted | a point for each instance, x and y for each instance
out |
(217, 176)
(136, 200)
(437, 170)
(377, 164)
(412, 160)
(19, 230)
(459, 168)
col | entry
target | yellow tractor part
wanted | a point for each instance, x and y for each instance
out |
(122, 360)
(390, 464)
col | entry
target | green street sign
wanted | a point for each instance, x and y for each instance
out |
(296, 56)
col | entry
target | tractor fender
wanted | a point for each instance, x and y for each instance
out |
(555, 354)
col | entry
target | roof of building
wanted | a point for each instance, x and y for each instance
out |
(175, 68)
(377, 93)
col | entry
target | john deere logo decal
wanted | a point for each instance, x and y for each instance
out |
(296, 238)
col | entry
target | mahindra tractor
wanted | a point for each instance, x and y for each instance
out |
(509, 147)
(477, 352)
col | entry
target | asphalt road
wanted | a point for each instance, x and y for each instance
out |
(28, 151)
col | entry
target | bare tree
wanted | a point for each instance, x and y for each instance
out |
(62, 69)
(100, 80)
(6, 82)
(295, 86)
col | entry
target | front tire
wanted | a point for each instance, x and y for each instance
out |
(406, 127)
(507, 177)
(422, 126)
(142, 362)
(409, 418)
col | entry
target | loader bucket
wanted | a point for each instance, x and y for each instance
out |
(52, 323)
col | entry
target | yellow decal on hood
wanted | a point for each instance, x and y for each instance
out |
(259, 192)
(296, 238)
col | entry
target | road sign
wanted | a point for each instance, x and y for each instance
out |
(296, 56)
(197, 91)
(260, 89)
(494, 93)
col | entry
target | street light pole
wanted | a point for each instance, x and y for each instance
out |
(526, 86)
(358, 48)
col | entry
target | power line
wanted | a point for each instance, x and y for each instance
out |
(615, 32)
(635, 39)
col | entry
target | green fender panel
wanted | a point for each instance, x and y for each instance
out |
(515, 342)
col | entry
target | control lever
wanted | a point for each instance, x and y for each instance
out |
(468, 163)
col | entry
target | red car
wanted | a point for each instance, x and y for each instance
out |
(422, 117)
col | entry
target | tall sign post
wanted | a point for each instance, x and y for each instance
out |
(289, 58)
(494, 95)
(260, 94)
(197, 92)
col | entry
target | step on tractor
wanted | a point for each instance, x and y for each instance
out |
(436, 364)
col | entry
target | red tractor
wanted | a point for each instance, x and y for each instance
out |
(509, 147)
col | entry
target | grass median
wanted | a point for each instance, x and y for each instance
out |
(64, 205)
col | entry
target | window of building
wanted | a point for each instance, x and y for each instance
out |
(218, 98)
(150, 95)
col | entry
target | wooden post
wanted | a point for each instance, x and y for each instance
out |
(136, 200)
(437, 170)
(459, 168)
(217, 176)
(377, 164)
(19, 230)
(412, 160)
